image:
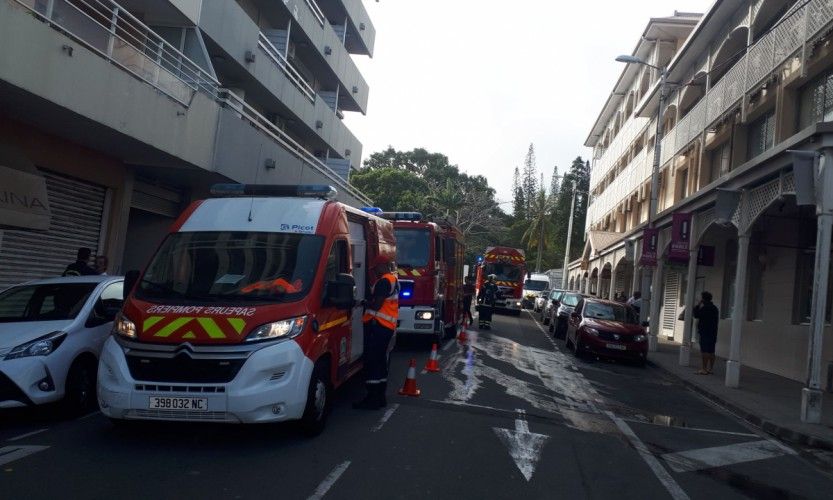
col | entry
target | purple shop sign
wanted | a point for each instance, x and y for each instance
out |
(680, 237)
(650, 237)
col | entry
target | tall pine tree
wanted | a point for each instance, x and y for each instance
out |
(518, 198)
(529, 180)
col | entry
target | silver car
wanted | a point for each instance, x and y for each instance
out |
(561, 314)
(551, 301)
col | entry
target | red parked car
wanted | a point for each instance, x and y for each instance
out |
(608, 329)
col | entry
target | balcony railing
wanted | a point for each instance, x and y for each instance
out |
(260, 122)
(803, 23)
(110, 31)
(105, 27)
(632, 128)
(281, 62)
(638, 170)
(317, 12)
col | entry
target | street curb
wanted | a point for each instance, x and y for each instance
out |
(786, 434)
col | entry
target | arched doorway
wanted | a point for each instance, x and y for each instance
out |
(623, 277)
(594, 282)
(604, 281)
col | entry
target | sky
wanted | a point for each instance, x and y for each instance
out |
(479, 80)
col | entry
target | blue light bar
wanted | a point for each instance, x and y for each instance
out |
(409, 216)
(281, 190)
(371, 210)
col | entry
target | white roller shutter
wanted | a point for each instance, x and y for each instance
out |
(156, 199)
(671, 298)
(77, 209)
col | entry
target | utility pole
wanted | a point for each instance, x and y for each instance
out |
(569, 239)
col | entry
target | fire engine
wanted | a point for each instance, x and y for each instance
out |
(250, 311)
(509, 267)
(429, 256)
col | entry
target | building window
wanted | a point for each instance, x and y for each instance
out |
(720, 161)
(816, 101)
(729, 272)
(761, 135)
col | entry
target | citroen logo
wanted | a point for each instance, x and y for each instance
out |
(184, 349)
(615, 337)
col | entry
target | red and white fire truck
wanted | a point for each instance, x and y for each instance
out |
(429, 256)
(249, 311)
(509, 267)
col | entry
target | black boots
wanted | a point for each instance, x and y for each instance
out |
(375, 398)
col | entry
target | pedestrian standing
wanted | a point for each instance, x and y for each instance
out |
(708, 317)
(380, 317)
(81, 266)
(635, 302)
(101, 263)
(468, 297)
(486, 302)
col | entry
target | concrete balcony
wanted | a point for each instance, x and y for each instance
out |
(351, 18)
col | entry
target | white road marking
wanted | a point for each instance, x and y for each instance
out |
(448, 344)
(385, 417)
(720, 456)
(23, 436)
(9, 454)
(656, 467)
(698, 429)
(524, 447)
(88, 415)
(329, 481)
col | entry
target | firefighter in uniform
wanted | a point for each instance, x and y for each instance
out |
(380, 318)
(487, 303)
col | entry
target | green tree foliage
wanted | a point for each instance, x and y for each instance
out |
(518, 199)
(429, 183)
(529, 181)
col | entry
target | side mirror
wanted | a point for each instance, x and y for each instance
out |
(341, 292)
(575, 315)
(104, 312)
(555, 302)
(130, 279)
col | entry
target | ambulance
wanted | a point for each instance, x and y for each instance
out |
(429, 259)
(249, 312)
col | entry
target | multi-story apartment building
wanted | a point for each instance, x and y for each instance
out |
(114, 114)
(748, 81)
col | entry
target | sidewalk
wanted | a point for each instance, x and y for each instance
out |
(765, 400)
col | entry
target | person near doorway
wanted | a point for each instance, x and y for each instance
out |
(708, 317)
(635, 301)
(81, 266)
(101, 263)
(381, 315)
(468, 296)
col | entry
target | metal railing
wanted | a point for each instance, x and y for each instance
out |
(316, 11)
(283, 63)
(788, 39)
(109, 30)
(251, 115)
(106, 28)
(633, 128)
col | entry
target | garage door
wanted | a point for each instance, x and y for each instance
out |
(77, 210)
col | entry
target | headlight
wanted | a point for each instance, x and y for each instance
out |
(425, 315)
(284, 329)
(640, 338)
(592, 331)
(124, 327)
(42, 346)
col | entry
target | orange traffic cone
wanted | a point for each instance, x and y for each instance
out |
(462, 337)
(432, 365)
(410, 388)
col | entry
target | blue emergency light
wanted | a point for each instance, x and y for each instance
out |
(406, 289)
(371, 210)
(322, 191)
(406, 216)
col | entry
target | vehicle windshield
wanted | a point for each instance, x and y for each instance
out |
(556, 294)
(536, 285)
(503, 271)
(570, 299)
(59, 301)
(412, 248)
(610, 312)
(232, 267)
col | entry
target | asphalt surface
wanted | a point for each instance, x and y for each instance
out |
(512, 415)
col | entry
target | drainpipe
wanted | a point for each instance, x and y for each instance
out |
(691, 278)
(811, 395)
(739, 312)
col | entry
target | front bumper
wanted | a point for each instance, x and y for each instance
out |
(509, 304)
(408, 323)
(270, 386)
(632, 350)
(20, 381)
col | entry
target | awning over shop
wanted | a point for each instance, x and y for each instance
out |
(596, 242)
(23, 199)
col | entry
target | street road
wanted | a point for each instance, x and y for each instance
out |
(512, 416)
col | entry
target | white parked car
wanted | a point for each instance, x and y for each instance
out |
(51, 333)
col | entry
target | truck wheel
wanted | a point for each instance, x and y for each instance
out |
(318, 402)
(80, 386)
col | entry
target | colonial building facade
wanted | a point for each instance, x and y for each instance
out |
(748, 82)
